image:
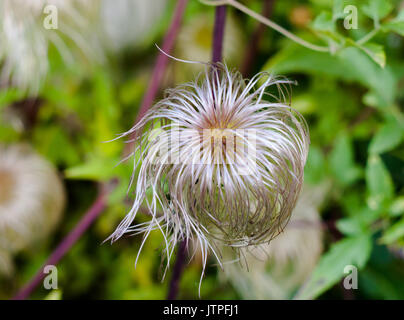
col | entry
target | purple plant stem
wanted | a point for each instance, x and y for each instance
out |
(177, 271)
(218, 33)
(160, 66)
(252, 50)
(100, 204)
(88, 218)
(162, 59)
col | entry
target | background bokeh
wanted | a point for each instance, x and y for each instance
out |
(353, 101)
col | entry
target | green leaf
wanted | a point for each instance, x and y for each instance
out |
(338, 9)
(9, 96)
(389, 136)
(397, 207)
(56, 144)
(379, 183)
(377, 9)
(324, 22)
(395, 25)
(324, 26)
(304, 103)
(393, 233)
(54, 295)
(375, 283)
(98, 169)
(375, 52)
(314, 171)
(350, 64)
(360, 220)
(330, 269)
(350, 226)
(105, 124)
(342, 162)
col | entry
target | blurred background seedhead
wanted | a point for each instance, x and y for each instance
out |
(32, 199)
(195, 44)
(29, 28)
(126, 24)
(57, 96)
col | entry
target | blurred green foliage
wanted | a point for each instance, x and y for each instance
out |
(352, 99)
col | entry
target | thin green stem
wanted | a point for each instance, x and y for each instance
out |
(267, 22)
(368, 36)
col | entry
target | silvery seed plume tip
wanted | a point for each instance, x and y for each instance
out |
(220, 159)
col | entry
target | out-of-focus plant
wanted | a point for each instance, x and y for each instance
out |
(325, 26)
(127, 23)
(26, 36)
(195, 43)
(351, 96)
(32, 199)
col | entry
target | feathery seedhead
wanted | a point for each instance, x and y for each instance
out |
(127, 23)
(220, 161)
(275, 270)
